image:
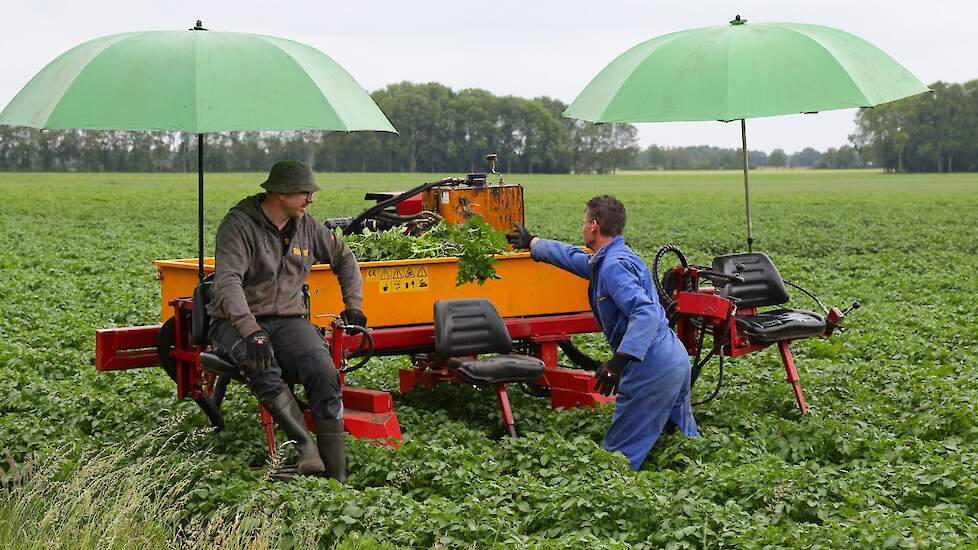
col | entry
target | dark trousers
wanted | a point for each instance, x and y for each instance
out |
(300, 355)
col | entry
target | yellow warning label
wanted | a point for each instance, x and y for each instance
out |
(396, 279)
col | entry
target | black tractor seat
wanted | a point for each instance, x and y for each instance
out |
(778, 325)
(468, 327)
(501, 369)
(471, 327)
(763, 286)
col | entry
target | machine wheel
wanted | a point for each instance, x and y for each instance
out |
(165, 343)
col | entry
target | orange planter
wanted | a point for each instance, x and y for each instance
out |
(403, 292)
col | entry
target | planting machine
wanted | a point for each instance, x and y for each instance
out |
(416, 310)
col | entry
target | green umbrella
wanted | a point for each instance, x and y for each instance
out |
(194, 82)
(741, 71)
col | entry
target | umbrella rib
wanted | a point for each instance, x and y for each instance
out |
(346, 127)
(726, 79)
(671, 38)
(845, 70)
(54, 104)
(196, 91)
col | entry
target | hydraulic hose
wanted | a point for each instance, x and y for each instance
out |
(719, 341)
(357, 224)
(809, 294)
(365, 351)
(577, 356)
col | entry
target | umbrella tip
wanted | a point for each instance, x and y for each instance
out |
(200, 26)
(738, 21)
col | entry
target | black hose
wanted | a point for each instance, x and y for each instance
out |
(718, 345)
(716, 391)
(577, 356)
(366, 349)
(810, 295)
(664, 297)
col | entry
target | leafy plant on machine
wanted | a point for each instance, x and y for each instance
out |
(474, 243)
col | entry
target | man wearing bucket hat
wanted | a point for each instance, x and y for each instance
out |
(265, 248)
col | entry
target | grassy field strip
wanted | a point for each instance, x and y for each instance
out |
(887, 459)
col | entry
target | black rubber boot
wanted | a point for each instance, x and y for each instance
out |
(282, 409)
(331, 440)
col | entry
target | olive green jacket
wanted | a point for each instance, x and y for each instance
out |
(254, 278)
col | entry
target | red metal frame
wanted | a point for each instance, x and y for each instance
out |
(367, 413)
(567, 387)
(718, 312)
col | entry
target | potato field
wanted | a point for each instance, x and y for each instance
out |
(886, 458)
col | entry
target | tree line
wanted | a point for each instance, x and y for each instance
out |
(447, 131)
(932, 132)
(441, 130)
(704, 157)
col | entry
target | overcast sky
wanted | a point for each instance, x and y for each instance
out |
(525, 48)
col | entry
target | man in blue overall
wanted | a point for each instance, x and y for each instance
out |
(650, 368)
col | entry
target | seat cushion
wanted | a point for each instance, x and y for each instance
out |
(779, 325)
(501, 369)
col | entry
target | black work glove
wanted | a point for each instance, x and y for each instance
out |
(259, 350)
(521, 238)
(609, 374)
(354, 317)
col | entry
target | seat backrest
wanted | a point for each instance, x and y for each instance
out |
(469, 326)
(762, 284)
(200, 321)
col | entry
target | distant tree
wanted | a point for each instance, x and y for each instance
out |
(843, 157)
(755, 159)
(929, 132)
(807, 157)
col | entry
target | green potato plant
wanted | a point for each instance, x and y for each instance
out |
(886, 459)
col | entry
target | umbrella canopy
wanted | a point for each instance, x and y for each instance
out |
(741, 71)
(194, 82)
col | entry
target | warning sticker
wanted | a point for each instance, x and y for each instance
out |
(400, 279)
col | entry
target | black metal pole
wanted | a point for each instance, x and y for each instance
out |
(750, 224)
(200, 207)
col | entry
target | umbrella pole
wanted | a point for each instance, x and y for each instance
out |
(750, 225)
(200, 207)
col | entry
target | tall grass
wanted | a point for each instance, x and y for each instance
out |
(133, 497)
(115, 497)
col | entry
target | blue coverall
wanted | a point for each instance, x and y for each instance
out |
(655, 388)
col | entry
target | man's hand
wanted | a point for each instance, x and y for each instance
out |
(353, 317)
(521, 238)
(259, 350)
(609, 374)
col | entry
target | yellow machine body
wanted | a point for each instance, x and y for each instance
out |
(403, 292)
(499, 205)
